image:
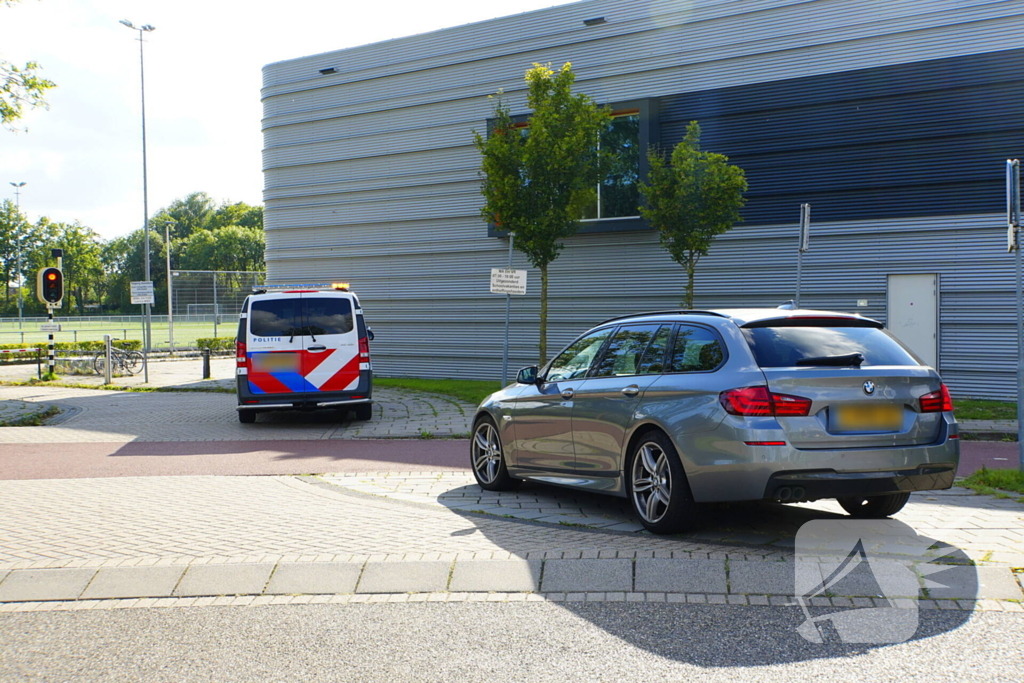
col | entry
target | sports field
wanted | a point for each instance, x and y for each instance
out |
(186, 331)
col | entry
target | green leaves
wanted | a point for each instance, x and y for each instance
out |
(691, 198)
(20, 87)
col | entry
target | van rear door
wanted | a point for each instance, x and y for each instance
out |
(330, 361)
(274, 345)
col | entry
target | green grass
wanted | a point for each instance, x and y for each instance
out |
(991, 482)
(33, 420)
(979, 409)
(185, 333)
(468, 390)
(212, 388)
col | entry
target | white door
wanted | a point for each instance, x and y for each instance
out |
(914, 313)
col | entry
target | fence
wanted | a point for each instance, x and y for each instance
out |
(214, 293)
(187, 329)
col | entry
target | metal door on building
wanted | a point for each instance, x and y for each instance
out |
(913, 313)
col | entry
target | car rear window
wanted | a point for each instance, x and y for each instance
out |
(276, 318)
(328, 315)
(783, 347)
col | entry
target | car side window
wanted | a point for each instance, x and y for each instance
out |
(696, 349)
(653, 362)
(575, 361)
(625, 351)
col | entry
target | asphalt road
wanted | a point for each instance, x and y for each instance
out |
(155, 458)
(467, 642)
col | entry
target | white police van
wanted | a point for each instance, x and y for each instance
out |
(303, 346)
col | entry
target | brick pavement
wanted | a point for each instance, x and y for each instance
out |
(121, 417)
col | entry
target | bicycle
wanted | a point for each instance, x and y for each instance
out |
(125, 361)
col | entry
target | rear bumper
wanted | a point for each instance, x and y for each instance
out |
(808, 485)
(301, 405)
(362, 394)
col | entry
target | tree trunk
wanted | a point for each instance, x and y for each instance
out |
(543, 346)
(691, 266)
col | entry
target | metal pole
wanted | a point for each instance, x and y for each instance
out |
(106, 351)
(170, 314)
(216, 307)
(1013, 222)
(508, 315)
(17, 202)
(51, 364)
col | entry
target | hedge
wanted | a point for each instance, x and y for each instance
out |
(41, 348)
(216, 343)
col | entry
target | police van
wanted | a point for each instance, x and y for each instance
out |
(303, 346)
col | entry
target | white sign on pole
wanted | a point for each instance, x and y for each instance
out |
(142, 292)
(508, 281)
(49, 327)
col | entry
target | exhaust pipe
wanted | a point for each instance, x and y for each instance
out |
(798, 493)
(784, 494)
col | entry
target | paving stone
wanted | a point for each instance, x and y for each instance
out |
(224, 579)
(496, 575)
(404, 577)
(761, 578)
(588, 575)
(991, 583)
(314, 577)
(134, 582)
(23, 585)
(680, 575)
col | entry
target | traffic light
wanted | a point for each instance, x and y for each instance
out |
(50, 286)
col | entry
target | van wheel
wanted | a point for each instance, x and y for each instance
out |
(658, 487)
(874, 507)
(487, 458)
(247, 417)
(363, 411)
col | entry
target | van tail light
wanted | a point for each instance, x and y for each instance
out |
(937, 402)
(240, 359)
(758, 401)
(364, 348)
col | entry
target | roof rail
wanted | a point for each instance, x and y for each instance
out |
(678, 311)
(319, 286)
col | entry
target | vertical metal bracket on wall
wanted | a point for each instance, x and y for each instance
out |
(805, 238)
(1013, 232)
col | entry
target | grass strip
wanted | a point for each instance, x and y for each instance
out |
(995, 482)
(468, 390)
(213, 389)
(980, 409)
(33, 420)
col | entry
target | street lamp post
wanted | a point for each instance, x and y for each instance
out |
(17, 202)
(145, 186)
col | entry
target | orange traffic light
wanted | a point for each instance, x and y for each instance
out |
(51, 286)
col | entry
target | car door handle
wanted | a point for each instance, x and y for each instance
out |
(631, 390)
(567, 393)
(316, 348)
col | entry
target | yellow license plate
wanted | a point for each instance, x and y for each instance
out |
(869, 418)
(275, 362)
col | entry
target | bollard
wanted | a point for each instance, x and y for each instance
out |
(206, 363)
(106, 364)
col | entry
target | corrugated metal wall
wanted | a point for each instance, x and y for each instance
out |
(371, 177)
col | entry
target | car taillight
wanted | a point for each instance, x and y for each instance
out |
(937, 402)
(240, 354)
(364, 348)
(758, 401)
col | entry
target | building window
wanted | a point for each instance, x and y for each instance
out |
(617, 195)
(634, 127)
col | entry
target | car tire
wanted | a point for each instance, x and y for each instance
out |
(874, 507)
(247, 417)
(657, 486)
(363, 412)
(487, 458)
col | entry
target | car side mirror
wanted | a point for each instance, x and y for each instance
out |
(527, 375)
(369, 334)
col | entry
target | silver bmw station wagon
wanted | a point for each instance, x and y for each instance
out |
(677, 408)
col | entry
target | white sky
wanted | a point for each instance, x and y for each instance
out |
(82, 159)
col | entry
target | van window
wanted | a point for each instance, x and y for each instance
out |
(276, 318)
(328, 315)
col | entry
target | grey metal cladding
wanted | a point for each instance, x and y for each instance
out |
(371, 176)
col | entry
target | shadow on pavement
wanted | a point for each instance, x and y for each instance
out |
(726, 636)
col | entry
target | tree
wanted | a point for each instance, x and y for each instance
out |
(239, 213)
(690, 199)
(537, 181)
(232, 247)
(20, 87)
(13, 228)
(189, 215)
(82, 265)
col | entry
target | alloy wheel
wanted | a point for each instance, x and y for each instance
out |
(652, 482)
(486, 453)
